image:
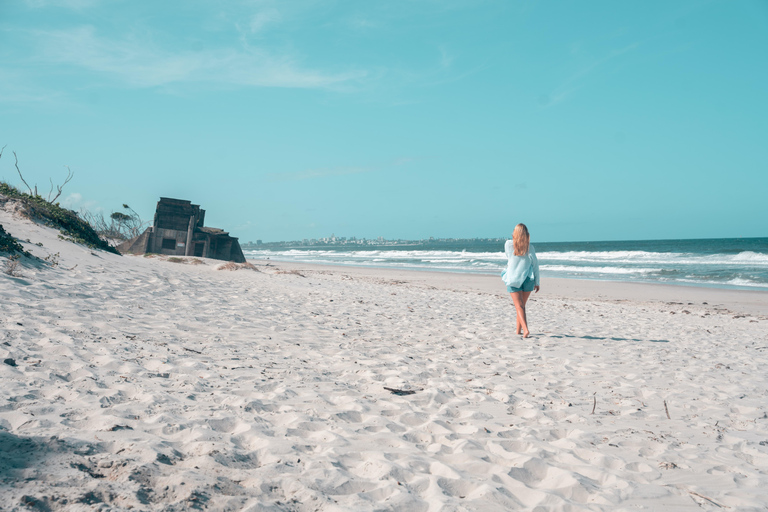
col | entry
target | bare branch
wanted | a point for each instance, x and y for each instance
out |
(116, 226)
(20, 176)
(1, 150)
(70, 175)
(133, 212)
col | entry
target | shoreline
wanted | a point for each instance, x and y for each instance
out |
(728, 264)
(754, 302)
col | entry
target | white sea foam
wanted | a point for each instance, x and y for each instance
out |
(744, 282)
(736, 282)
(599, 270)
(629, 257)
(752, 257)
(601, 255)
(671, 258)
(681, 267)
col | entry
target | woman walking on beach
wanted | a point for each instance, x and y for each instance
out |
(522, 273)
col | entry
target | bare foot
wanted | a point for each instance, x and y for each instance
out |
(526, 334)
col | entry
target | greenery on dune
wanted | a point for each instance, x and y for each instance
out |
(9, 244)
(66, 221)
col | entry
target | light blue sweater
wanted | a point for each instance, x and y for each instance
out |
(520, 268)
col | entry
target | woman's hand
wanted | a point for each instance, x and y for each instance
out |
(536, 288)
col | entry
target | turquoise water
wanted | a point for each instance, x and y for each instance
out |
(724, 263)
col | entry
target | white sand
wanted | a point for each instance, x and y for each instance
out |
(146, 384)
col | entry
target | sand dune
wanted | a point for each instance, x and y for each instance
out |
(140, 383)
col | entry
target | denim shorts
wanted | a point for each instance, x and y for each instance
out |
(527, 286)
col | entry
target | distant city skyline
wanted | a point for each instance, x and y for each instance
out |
(401, 119)
(381, 241)
(362, 240)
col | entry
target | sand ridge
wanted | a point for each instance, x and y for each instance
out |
(146, 384)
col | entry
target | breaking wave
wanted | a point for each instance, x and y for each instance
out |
(729, 267)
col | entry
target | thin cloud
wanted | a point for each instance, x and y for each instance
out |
(446, 59)
(360, 24)
(318, 173)
(327, 172)
(261, 19)
(575, 81)
(15, 88)
(242, 227)
(72, 200)
(404, 160)
(67, 4)
(152, 59)
(137, 62)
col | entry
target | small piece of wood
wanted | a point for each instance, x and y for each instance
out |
(120, 427)
(192, 350)
(400, 392)
(594, 404)
(666, 409)
(708, 499)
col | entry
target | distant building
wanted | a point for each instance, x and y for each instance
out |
(178, 230)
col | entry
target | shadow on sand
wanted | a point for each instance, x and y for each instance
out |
(604, 338)
(24, 458)
(20, 453)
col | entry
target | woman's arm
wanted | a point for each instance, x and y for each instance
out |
(535, 264)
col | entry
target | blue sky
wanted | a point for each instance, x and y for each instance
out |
(403, 119)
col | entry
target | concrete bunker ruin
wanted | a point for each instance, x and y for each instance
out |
(178, 230)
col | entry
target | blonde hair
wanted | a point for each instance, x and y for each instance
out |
(520, 239)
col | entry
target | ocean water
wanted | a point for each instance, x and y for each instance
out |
(740, 263)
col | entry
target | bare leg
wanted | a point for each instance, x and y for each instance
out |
(518, 327)
(522, 322)
(524, 298)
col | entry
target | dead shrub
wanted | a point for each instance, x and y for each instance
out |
(118, 227)
(11, 266)
(53, 259)
(231, 265)
(292, 272)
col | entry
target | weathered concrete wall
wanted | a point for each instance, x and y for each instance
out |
(175, 213)
(169, 241)
(236, 254)
(137, 245)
